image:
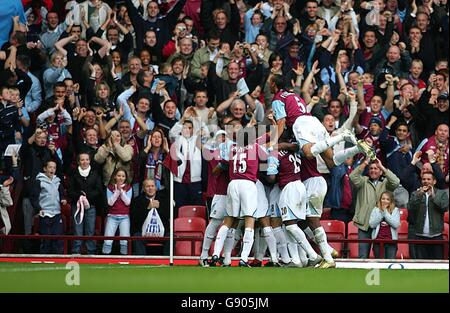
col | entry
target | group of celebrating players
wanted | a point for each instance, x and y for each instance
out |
(288, 208)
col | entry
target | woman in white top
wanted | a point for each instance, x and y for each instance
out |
(385, 221)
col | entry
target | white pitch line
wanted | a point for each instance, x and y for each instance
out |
(396, 265)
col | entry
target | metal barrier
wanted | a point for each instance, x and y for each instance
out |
(193, 239)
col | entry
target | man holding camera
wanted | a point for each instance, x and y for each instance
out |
(427, 207)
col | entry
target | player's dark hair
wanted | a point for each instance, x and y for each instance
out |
(278, 80)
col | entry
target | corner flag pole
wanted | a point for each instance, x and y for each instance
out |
(171, 218)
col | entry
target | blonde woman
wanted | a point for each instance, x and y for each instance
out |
(57, 72)
(385, 221)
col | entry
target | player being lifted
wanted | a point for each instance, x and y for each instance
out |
(313, 139)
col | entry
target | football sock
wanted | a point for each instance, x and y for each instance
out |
(303, 256)
(323, 145)
(310, 235)
(271, 243)
(228, 246)
(300, 237)
(210, 233)
(280, 235)
(255, 249)
(247, 244)
(293, 248)
(340, 156)
(308, 232)
(261, 246)
(220, 239)
(237, 235)
(321, 240)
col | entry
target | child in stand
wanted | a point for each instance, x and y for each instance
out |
(47, 198)
(385, 221)
(415, 72)
(119, 196)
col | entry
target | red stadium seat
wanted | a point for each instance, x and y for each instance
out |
(189, 226)
(334, 230)
(352, 233)
(192, 211)
(403, 214)
(403, 248)
(445, 232)
(446, 217)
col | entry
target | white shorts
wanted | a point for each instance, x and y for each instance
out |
(241, 195)
(316, 190)
(292, 201)
(308, 129)
(274, 197)
(262, 205)
(218, 207)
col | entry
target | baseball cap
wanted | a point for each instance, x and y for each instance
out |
(443, 96)
(376, 120)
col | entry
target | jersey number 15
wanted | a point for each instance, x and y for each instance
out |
(239, 163)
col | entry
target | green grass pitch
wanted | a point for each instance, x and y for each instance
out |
(26, 277)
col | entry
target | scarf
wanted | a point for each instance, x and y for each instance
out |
(82, 204)
(84, 173)
(153, 168)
